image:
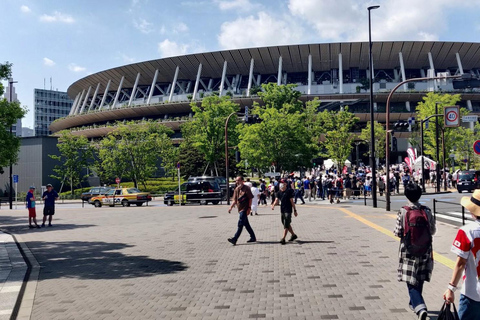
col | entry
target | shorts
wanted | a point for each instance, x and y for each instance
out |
(286, 219)
(32, 213)
(48, 211)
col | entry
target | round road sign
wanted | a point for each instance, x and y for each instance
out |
(117, 180)
(476, 147)
(452, 116)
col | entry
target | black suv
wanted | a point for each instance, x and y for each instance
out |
(201, 192)
(466, 181)
(97, 191)
(222, 182)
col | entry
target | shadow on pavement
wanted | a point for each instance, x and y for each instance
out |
(96, 260)
(19, 225)
(300, 242)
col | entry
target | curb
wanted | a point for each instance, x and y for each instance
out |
(24, 304)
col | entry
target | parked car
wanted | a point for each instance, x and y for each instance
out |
(201, 192)
(121, 196)
(97, 191)
(222, 182)
(466, 180)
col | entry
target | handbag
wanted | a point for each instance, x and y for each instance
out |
(447, 314)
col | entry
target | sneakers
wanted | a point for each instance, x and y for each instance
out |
(43, 225)
(252, 240)
(31, 227)
(50, 225)
(422, 315)
(282, 241)
(232, 241)
(294, 237)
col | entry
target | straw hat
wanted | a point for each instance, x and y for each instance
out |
(472, 203)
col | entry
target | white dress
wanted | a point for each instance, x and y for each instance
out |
(255, 193)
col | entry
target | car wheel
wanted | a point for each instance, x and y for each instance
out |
(170, 203)
(125, 203)
(215, 202)
(139, 204)
(203, 202)
(97, 204)
(459, 191)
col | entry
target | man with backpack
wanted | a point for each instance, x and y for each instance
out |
(298, 190)
(415, 227)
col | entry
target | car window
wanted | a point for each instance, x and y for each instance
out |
(222, 180)
(95, 190)
(133, 190)
(111, 192)
(118, 192)
(466, 176)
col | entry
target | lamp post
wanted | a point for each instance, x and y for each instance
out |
(10, 192)
(372, 128)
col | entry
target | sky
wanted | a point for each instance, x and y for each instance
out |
(66, 40)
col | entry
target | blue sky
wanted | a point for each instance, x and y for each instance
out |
(67, 40)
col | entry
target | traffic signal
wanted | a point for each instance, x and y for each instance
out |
(394, 147)
(237, 156)
(466, 84)
(246, 115)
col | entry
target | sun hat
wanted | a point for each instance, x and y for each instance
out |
(49, 185)
(472, 203)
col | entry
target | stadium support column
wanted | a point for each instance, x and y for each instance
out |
(309, 90)
(152, 87)
(134, 90)
(77, 108)
(118, 93)
(197, 81)
(432, 67)
(224, 73)
(279, 76)
(459, 62)
(174, 83)
(85, 100)
(104, 98)
(94, 97)
(74, 105)
(250, 77)
(402, 70)
(470, 108)
(340, 73)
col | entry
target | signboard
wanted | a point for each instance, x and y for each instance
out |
(15, 178)
(452, 116)
(476, 147)
(472, 118)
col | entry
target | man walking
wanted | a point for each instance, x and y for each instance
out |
(286, 205)
(49, 198)
(32, 214)
(242, 197)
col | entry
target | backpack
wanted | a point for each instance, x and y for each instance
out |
(339, 184)
(329, 184)
(417, 237)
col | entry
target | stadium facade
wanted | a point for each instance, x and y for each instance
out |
(335, 73)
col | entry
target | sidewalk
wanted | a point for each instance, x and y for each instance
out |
(12, 272)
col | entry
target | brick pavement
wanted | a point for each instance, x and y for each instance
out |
(175, 263)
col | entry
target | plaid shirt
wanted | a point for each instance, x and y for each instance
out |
(413, 269)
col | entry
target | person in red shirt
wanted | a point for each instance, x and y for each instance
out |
(242, 198)
(32, 214)
(466, 246)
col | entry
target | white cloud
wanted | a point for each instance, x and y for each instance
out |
(168, 48)
(127, 59)
(262, 30)
(25, 9)
(57, 17)
(243, 5)
(180, 28)
(76, 68)
(48, 62)
(143, 26)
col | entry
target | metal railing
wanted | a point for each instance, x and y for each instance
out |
(464, 218)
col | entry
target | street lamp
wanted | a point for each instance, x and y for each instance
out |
(372, 129)
(10, 192)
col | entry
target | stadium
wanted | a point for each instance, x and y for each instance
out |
(335, 73)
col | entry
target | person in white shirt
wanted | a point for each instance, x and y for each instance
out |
(466, 246)
(256, 197)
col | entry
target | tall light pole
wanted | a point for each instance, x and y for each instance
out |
(372, 128)
(10, 192)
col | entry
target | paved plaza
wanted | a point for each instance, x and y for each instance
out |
(161, 262)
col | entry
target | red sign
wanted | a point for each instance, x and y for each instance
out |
(476, 147)
(117, 180)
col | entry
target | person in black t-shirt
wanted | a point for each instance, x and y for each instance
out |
(285, 196)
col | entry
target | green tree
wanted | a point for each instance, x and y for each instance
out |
(206, 131)
(379, 136)
(10, 113)
(133, 150)
(336, 129)
(75, 152)
(453, 136)
(281, 97)
(463, 149)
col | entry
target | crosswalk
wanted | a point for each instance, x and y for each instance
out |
(453, 217)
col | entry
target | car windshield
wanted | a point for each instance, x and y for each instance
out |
(110, 192)
(133, 190)
(466, 176)
(183, 187)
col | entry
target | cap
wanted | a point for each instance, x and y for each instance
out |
(49, 185)
(32, 187)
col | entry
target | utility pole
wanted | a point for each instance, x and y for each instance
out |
(10, 192)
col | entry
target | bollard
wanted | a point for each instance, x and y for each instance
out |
(434, 210)
(364, 197)
(463, 215)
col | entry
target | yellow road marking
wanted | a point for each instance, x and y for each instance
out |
(438, 257)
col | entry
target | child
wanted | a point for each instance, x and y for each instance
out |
(32, 215)
(415, 227)
(465, 246)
